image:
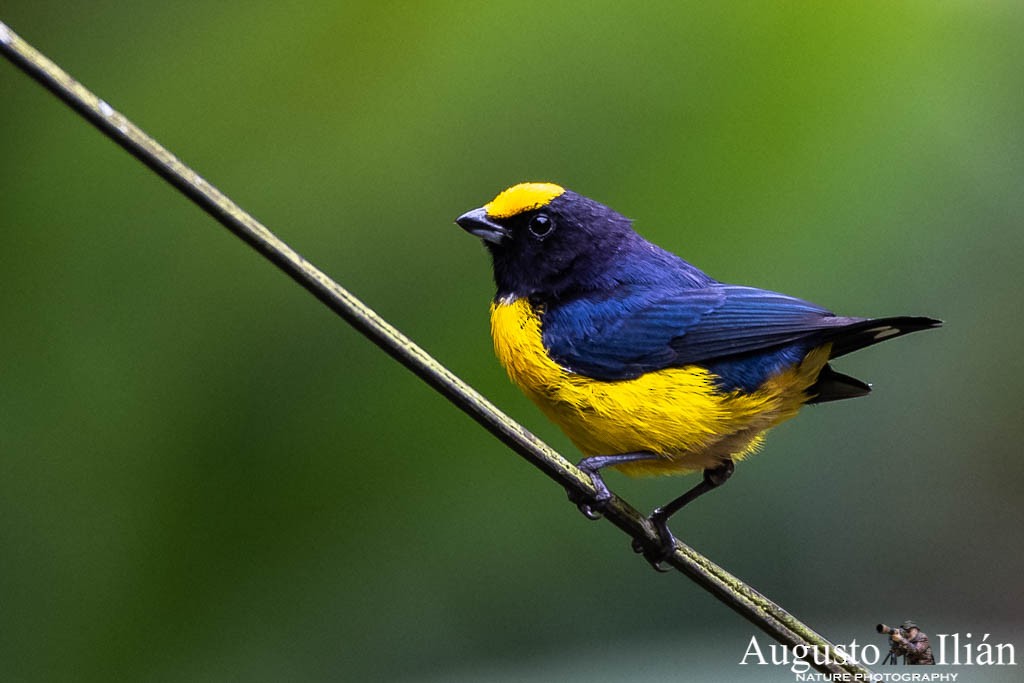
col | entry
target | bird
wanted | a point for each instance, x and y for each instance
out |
(646, 363)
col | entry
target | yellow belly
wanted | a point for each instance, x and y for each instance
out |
(677, 413)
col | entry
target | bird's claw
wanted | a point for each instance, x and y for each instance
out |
(592, 507)
(658, 553)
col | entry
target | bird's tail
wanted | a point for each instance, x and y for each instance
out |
(835, 386)
(863, 333)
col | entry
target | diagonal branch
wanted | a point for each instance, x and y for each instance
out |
(756, 608)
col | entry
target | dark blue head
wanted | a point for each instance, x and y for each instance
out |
(550, 242)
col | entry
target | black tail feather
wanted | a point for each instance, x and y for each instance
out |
(835, 386)
(867, 332)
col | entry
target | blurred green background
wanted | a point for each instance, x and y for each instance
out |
(206, 476)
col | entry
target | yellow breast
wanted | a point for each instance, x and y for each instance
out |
(677, 413)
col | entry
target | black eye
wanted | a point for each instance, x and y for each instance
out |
(541, 225)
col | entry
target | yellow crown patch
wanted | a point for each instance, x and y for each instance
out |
(522, 197)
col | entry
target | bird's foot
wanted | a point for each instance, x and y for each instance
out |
(592, 507)
(657, 553)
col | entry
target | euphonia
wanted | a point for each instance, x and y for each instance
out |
(646, 363)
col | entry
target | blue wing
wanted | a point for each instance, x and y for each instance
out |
(740, 333)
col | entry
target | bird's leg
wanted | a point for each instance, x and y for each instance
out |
(713, 478)
(594, 507)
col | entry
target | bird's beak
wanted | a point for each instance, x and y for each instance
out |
(477, 223)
